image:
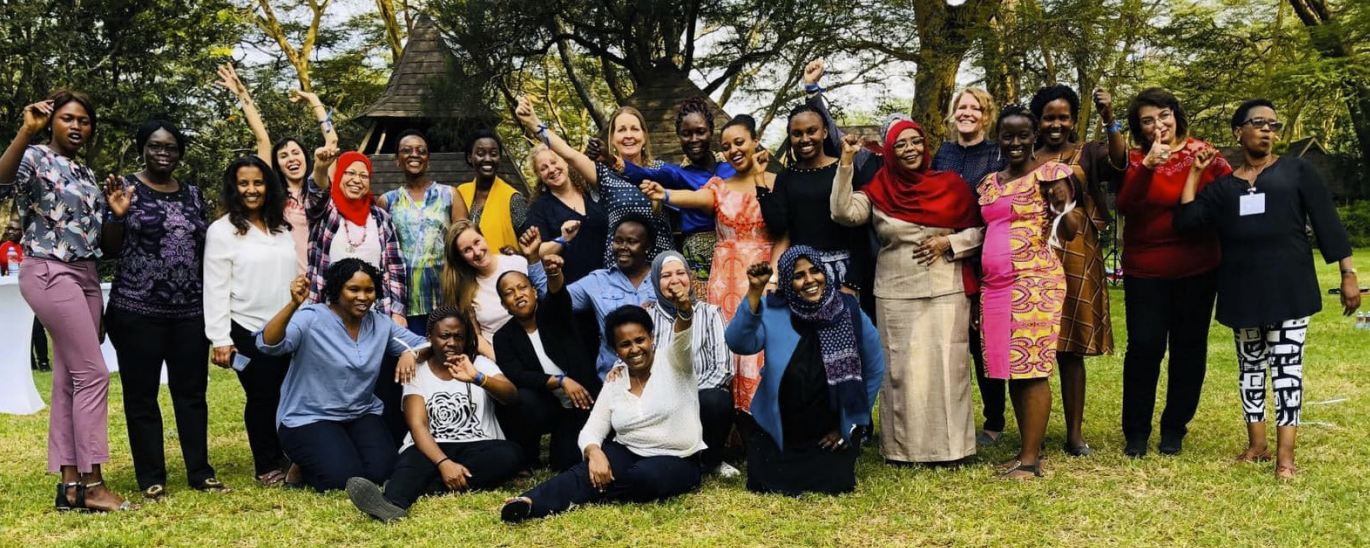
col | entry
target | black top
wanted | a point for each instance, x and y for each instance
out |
(806, 414)
(585, 252)
(798, 206)
(1266, 275)
(561, 340)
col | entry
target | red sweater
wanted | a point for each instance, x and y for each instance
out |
(1151, 246)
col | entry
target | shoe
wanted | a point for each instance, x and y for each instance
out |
(155, 493)
(1135, 449)
(726, 470)
(212, 485)
(985, 438)
(368, 498)
(1170, 445)
(516, 510)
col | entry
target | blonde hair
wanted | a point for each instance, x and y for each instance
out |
(645, 158)
(988, 111)
(459, 280)
(537, 185)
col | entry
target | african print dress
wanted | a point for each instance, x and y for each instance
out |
(1086, 327)
(1023, 289)
(742, 242)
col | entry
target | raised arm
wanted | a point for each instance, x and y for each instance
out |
(321, 115)
(693, 199)
(228, 79)
(275, 332)
(1117, 145)
(848, 208)
(581, 163)
(323, 161)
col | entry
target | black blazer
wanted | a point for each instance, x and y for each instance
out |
(562, 341)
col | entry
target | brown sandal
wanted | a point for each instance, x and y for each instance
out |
(1257, 456)
(212, 485)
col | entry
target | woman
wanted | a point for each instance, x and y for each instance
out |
(823, 370)
(540, 352)
(287, 157)
(1267, 286)
(563, 205)
(713, 363)
(926, 222)
(1086, 327)
(62, 208)
(471, 273)
(249, 264)
(494, 206)
(349, 224)
(627, 139)
(421, 211)
(156, 308)
(970, 117)
(1023, 285)
(1168, 280)
(329, 421)
(657, 436)
(453, 433)
(741, 238)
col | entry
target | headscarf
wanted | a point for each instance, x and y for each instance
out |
(353, 210)
(923, 197)
(836, 333)
(663, 300)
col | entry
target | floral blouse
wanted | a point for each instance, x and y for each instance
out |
(61, 205)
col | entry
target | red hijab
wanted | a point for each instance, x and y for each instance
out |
(923, 197)
(353, 210)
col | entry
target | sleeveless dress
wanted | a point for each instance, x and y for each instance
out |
(742, 242)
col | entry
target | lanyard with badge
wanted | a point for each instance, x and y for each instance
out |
(1251, 203)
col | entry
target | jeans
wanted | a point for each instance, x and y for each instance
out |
(331, 452)
(1176, 313)
(636, 479)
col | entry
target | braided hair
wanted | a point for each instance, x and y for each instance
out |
(694, 105)
(340, 272)
(468, 327)
(1016, 110)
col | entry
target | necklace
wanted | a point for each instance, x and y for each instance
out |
(347, 231)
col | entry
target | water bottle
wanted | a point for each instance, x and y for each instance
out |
(1360, 320)
(13, 260)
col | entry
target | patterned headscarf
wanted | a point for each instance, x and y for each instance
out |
(836, 333)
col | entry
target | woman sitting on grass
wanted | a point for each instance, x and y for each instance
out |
(454, 435)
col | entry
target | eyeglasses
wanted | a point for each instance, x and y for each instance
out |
(1160, 117)
(1262, 123)
(414, 151)
(358, 174)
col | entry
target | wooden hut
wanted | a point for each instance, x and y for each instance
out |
(658, 96)
(424, 93)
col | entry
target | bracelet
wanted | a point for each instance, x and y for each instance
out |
(444, 459)
(1115, 127)
(813, 88)
(542, 132)
(480, 379)
(110, 217)
(560, 240)
(561, 379)
(327, 121)
(667, 199)
(1350, 271)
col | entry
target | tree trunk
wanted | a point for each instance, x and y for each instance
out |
(1331, 44)
(944, 36)
(586, 98)
(392, 27)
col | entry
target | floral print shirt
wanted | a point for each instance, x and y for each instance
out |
(161, 260)
(61, 206)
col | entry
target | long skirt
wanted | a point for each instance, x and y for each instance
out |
(925, 401)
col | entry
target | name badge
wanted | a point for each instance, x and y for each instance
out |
(1252, 204)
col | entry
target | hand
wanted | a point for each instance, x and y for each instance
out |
(813, 72)
(760, 159)
(461, 368)
(299, 290)
(832, 442)
(653, 190)
(117, 195)
(297, 95)
(325, 156)
(399, 320)
(758, 275)
(1103, 102)
(601, 474)
(529, 243)
(851, 144)
(36, 116)
(454, 475)
(1350, 294)
(552, 264)
(228, 79)
(931, 249)
(1203, 159)
(679, 294)
(595, 150)
(614, 374)
(405, 369)
(569, 229)
(526, 115)
(222, 356)
(580, 397)
(1160, 151)
(1059, 193)
(848, 291)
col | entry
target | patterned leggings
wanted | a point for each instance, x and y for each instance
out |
(1282, 346)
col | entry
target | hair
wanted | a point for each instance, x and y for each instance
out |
(273, 207)
(476, 136)
(61, 96)
(536, 186)
(744, 120)
(459, 282)
(340, 272)
(1244, 110)
(470, 335)
(623, 315)
(1016, 110)
(500, 279)
(149, 127)
(646, 157)
(641, 219)
(801, 109)
(1052, 93)
(276, 163)
(694, 105)
(1160, 98)
(411, 133)
(988, 110)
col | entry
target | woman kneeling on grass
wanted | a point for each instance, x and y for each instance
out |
(453, 433)
(657, 435)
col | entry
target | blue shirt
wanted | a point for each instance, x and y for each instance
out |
(605, 290)
(688, 177)
(332, 377)
(972, 163)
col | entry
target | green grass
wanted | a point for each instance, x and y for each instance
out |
(1200, 498)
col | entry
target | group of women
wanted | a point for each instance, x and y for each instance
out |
(427, 339)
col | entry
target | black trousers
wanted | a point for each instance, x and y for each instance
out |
(1161, 313)
(142, 344)
(636, 479)
(491, 462)
(261, 381)
(331, 452)
(38, 357)
(539, 412)
(716, 416)
(391, 395)
(802, 468)
(993, 392)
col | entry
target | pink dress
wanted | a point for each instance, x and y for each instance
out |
(1024, 286)
(742, 242)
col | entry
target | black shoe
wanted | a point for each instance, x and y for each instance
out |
(1135, 449)
(1170, 445)
(516, 510)
(368, 498)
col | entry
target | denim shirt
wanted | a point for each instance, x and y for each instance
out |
(605, 290)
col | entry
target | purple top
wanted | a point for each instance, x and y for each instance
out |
(160, 270)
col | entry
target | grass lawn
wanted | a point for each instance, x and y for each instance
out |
(1200, 498)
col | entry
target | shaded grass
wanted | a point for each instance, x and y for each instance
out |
(1199, 498)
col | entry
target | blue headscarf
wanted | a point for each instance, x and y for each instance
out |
(837, 342)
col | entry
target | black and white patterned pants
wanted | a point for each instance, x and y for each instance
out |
(1282, 346)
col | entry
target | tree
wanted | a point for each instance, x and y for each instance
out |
(1345, 47)
(280, 33)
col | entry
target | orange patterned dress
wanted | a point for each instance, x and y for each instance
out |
(1024, 286)
(742, 242)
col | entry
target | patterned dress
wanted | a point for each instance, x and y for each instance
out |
(742, 242)
(1024, 285)
(422, 229)
(1086, 327)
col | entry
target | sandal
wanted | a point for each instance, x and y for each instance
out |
(212, 485)
(65, 505)
(1082, 450)
(1036, 470)
(516, 510)
(272, 478)
(1286, 473)
(155, 493)
(1254, 456)
(124, 506)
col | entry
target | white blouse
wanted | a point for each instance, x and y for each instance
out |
(664, 420)
(247, 277)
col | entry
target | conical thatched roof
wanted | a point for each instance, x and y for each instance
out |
(425, 64)
(657, 96)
